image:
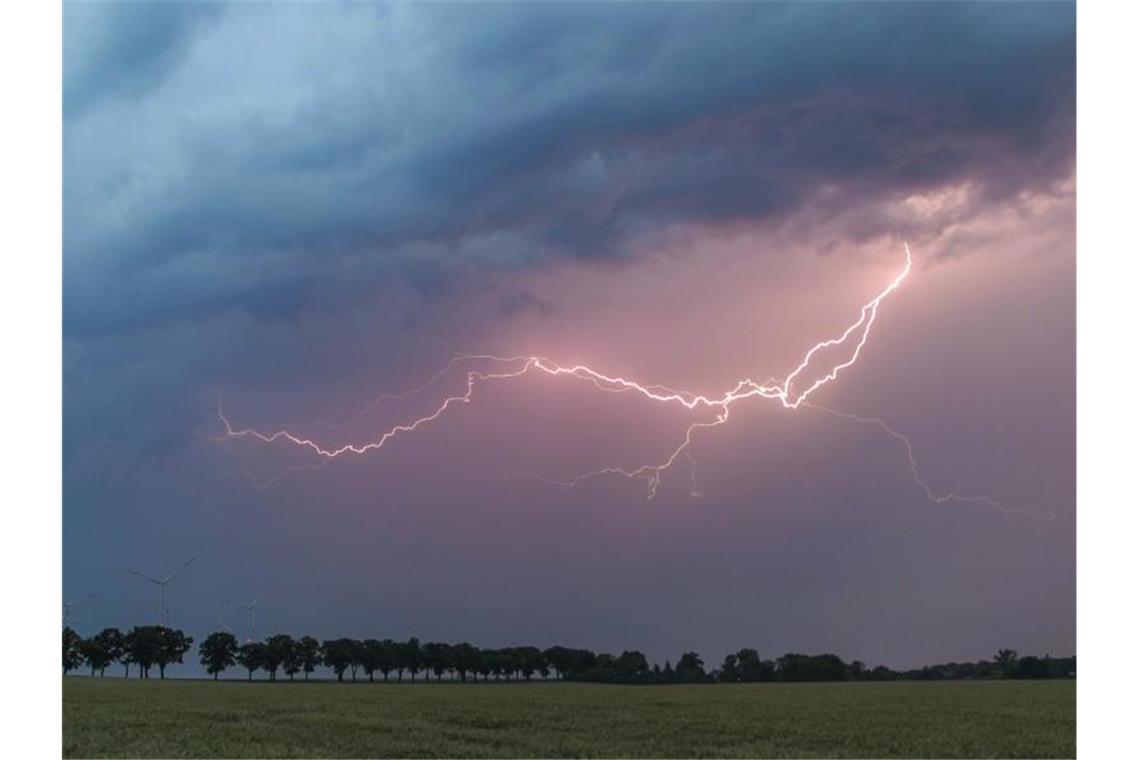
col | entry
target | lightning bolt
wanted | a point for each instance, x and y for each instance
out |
(792, 392)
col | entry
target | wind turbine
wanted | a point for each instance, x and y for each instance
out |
(248, 607)
(161, 583)
(68, 605)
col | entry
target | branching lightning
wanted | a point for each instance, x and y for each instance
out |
(792, 392)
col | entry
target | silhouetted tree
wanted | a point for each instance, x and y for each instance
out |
(387, 656)
(1006, 660)
(294, 659)
(437, 658)
(729, 671)
(218, 652)
(751, 669)
(504, 663)
(72, 657)
(144, 647)
(819, 667)
(95, 654)
(357, 656)
(881, 673)
(1031, 667)
(250, 656)
(309, 653)
(111, 639)
(128, 655)
(1062, 667)
(484, 664)
(173, 644)
(690, 668)
(530, 661)
(371, 653)
(559, 659)
(339, 654)
(632, 666)
(411, 658)
(465, 659)
(277, 649)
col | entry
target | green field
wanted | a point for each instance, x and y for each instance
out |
(121, 718)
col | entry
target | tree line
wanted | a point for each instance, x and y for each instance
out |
(152, 646)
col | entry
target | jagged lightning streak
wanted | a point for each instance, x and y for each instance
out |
(792, 392)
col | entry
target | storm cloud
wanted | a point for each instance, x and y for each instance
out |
(277, 158)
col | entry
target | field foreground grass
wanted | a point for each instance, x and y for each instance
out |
(130, 718)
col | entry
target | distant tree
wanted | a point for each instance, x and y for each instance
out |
(497, 662)
(819, 667)
(484, 663)
(530, 661)
(218, 652)
(294, 660)
(729, 672)
(690, 668)
(356, 657)
(581, 660)
(387, 655)
(559, 659)
(72, 656)
(465, 659)
(173, 644)
(370, 656)
(1031, 667)
(437, 658)
(340, 655)
(144, 646)
(277, 649)
(1006, 660)
(987, 669)
(95, 654)
(128, 655)
(111, 639)
(250, 656)
(668, 673)
(632, 666)
(510, 659)
(857, 670)
(1061, 667)
(309, 653)
(881, 673)
(751, 669)
(411, 657)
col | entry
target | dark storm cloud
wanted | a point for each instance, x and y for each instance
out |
(278, 158)
(125, 49)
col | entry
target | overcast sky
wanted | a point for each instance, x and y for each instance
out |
(301, 207)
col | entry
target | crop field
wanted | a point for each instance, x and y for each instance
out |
(130, 718)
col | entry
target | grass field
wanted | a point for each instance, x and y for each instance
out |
(120, 718)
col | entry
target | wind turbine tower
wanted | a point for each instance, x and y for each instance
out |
(248, 607)
(162, 583)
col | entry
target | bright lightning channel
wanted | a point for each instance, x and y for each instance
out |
(792, 392)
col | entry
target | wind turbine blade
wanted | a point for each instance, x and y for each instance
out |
(143, 575)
